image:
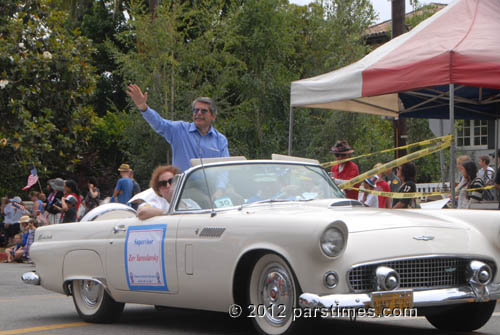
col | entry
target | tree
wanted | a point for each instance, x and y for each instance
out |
(48, 82)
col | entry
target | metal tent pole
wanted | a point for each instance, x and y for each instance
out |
(452, 146)
(496, 144)
(441, 154)
(290, 132)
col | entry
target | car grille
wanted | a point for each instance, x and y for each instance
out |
(415, 273)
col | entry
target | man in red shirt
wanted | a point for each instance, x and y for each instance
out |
(345, 171)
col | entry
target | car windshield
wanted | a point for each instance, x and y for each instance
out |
(239, 184)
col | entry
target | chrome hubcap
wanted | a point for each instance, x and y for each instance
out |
(276, 295)
(90, 292)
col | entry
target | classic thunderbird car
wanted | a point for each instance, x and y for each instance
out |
(281, 242)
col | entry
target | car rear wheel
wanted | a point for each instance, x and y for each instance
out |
(93, 304)
(272, 295)
(466, 317)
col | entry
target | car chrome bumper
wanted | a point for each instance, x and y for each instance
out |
(423, 298)
(31, 278)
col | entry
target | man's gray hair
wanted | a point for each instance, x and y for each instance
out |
(207, 100)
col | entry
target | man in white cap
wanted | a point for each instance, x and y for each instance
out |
(12, 212)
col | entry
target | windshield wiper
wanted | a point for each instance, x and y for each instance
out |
(262, 202)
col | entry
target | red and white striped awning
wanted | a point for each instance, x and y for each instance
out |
(458, 45)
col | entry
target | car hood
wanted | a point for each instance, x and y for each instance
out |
(358, 218)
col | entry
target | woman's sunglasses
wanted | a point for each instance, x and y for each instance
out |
(163, 183)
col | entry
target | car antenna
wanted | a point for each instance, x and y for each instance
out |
(212, 212)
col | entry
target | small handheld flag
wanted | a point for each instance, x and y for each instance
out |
(32, 179)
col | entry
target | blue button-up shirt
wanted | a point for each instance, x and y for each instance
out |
(186, 140)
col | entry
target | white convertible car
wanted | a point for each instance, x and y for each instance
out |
(281, 244)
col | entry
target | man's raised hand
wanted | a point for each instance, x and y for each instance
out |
(138, 97)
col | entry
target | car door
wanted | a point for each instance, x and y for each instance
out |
(141, 255)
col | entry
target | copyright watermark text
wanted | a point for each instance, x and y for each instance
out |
(280, 311)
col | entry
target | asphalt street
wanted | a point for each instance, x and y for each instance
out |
(27, 309)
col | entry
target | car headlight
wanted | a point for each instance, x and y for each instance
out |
(332, 241)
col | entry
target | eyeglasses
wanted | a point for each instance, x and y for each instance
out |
(163, 183)
(340, 155)
(202, 110)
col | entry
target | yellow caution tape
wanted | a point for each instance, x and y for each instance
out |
(397, 162)
(421, 143)
(489, 187)
(400, 195)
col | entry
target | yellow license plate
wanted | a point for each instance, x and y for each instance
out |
(385, 303)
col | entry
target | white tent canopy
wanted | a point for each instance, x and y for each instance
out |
(455, 48)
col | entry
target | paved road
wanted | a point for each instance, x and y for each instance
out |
(26, 309)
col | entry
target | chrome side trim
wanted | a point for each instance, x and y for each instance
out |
(31, 278)
(425, 298)
(68, 289)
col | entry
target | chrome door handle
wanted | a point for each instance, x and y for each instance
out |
(118, 228)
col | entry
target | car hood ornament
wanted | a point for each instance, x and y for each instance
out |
(423, 238)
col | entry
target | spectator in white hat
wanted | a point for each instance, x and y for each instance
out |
(368, 199)
(12, 211)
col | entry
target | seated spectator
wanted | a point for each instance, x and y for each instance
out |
(70, 213)
(29, 226)
(156, 202)
(16, 252)
(368, 199)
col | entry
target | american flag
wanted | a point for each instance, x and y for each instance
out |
(32, 179)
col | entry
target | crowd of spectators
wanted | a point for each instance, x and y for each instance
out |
(62, 203)
(472, 178)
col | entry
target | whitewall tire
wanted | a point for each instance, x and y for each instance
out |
(272, 295)
(93, 304)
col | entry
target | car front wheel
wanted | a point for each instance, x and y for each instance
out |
(272, 296)
(466, 317)
(93, 304)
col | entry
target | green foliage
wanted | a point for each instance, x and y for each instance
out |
(242, 54)
(69, 115)
(428, 167)
(46, 119)
(421, 12)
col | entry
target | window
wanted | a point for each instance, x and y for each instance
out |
(473, 134)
